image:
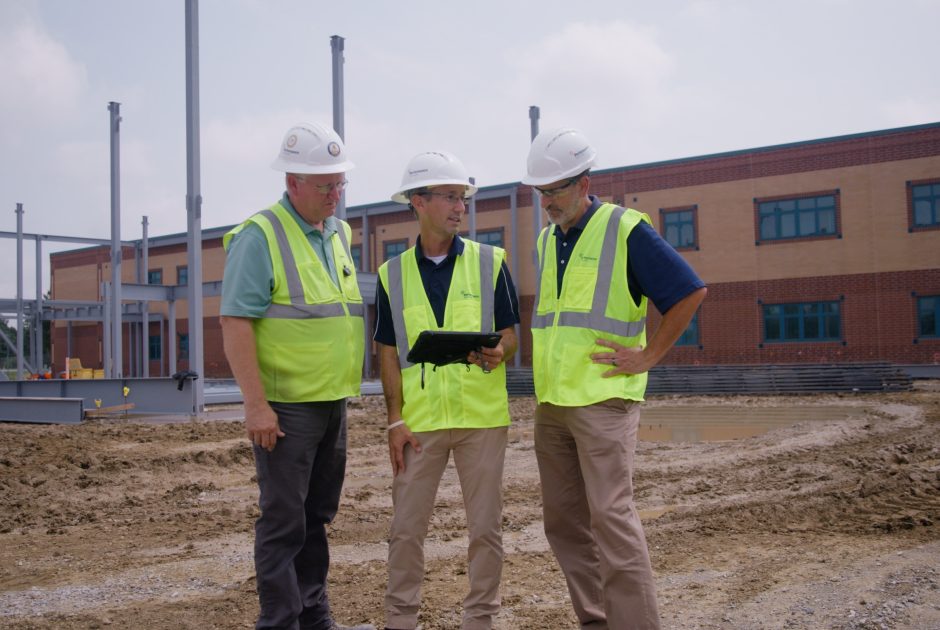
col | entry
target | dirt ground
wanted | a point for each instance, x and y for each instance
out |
(824, 524)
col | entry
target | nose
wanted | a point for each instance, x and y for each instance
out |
(335, 193)
(545, 201)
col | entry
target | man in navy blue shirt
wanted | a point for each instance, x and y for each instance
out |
(599, 264)
(444, 283)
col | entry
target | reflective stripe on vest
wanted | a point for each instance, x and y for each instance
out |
(396, 300)
(307, 352)
(594, 303)
(454, 396)
(298, 308)
(595, 319)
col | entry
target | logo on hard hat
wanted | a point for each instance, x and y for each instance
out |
(333, 149)
(291, 141)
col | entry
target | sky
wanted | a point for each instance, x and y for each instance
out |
(643, 81)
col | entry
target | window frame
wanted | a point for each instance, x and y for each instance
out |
(395, 242)
(665, 212)
(936, 316)
(182, 269)
(158, 272)
(796, 198)
(155, 342)
(801, 318)
(911, 225)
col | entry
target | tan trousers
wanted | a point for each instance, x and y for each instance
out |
(478, 457)
(585, 457)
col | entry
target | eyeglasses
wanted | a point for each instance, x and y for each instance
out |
(325, 189)
(451, 198)
(554, 192)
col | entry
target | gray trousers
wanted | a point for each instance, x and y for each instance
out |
(300, 482)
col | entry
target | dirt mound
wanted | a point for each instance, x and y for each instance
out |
(114, 524)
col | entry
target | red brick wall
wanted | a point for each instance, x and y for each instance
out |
(878, 317)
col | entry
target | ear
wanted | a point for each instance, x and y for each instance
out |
(584, 185)
(291, 182)
(418, 201)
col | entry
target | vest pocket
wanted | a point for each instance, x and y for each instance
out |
(299, 380)
(578, 289)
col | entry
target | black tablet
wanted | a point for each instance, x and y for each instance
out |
(443, 347)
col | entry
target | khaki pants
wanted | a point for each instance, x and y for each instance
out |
(478, 457)
(585, 457)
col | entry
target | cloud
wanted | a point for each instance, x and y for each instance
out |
(614, 61)
(40, 78)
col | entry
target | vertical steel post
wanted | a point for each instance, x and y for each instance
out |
(19, 292)
(367, 314)
(114, 363)
(106, 324)
(144, 278)
(514, 254)
(171, 338)
(38, 357)
(536, 202)
(339, 124)
(194, 205)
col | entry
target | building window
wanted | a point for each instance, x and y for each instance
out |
(924, 204)
(156, 348)
(394, 248)
(155, 276)
(182, 275)
(690, 336)
(679, 226)
(808, 216)
(802, 321)
(491, 237)
(184, 346)
(928, 316)
(356, 252)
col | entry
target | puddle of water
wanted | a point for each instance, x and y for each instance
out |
(654, 513)
(714, 424)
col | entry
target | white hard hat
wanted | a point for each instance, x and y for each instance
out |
(556, 155)
(312, 149)
(432, 168)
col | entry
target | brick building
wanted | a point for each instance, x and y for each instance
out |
(820, 251)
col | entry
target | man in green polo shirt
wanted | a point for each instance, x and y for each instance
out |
(292, 329)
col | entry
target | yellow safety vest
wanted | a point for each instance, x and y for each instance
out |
(595, 302)
(453, 397)
(310, 340)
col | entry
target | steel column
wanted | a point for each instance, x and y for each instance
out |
(143, 277)
(536, 202)
(194, 205)
(19, 292)
(339, 124)
(114, 363)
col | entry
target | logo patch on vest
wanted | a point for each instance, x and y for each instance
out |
(467, 295)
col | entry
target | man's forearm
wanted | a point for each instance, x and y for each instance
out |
(673, 324)
(390, 372)
(509, 342)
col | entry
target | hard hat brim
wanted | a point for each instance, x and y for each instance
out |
(401, 195)
(307, 169)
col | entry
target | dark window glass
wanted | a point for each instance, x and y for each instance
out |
(802, 321)
(797, 218)
(928, 313)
